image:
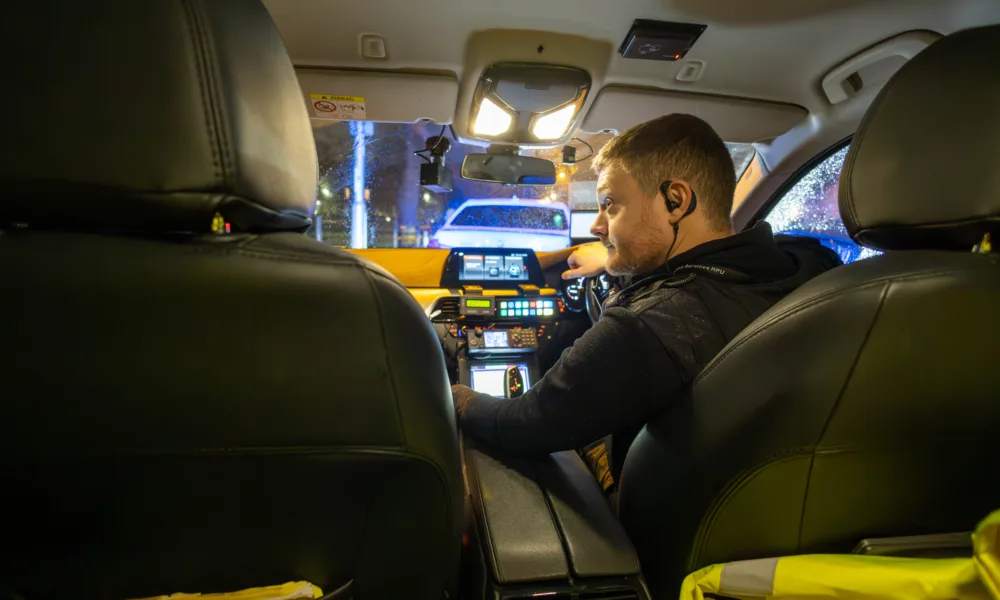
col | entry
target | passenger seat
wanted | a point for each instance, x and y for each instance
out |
(196, 397)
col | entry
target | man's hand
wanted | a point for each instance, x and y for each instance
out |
(461, 395)
(586, 261)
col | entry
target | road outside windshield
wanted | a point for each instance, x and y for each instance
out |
(369, 193)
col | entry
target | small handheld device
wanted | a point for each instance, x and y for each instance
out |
(513, 382)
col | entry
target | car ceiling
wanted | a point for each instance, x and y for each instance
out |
(774, 50)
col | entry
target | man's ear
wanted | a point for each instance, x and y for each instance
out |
(678, 196)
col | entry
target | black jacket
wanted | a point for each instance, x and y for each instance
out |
(656, 334)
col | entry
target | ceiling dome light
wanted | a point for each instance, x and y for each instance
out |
(553, 125)
(491, 119)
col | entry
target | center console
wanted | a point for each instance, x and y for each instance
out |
(540, 528)
(497, 342)
(503, 312)
(543, 529)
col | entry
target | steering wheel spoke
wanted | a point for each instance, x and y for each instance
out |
(593, 300)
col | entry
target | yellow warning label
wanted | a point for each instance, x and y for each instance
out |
(332, 98)
(338, 108)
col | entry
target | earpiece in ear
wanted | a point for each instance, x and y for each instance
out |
(672, 205)
(692, 205)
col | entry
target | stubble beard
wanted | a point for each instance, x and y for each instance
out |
(638, 257)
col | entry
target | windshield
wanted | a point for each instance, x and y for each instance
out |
(369, 193)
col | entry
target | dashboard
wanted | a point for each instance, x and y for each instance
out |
(514, 270)
(491, 268)
(503, 315)
(500, 311)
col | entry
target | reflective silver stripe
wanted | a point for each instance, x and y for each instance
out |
(752, 577)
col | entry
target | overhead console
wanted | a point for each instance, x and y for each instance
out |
(529, 48)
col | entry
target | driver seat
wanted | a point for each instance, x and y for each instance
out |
(196, 396)
(866, 403)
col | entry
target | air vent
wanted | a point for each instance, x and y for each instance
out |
(619, 594)
(448, 307)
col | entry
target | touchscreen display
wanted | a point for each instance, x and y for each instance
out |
(495, 339)
(493, 267)
(488, 378)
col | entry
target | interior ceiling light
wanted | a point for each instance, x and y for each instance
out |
(553, 125)
(526, 103)
(491, 120)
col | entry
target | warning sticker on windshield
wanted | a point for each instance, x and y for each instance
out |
(340, 108)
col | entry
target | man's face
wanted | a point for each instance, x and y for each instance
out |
(632, 226)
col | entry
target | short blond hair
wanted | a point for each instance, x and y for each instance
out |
(673, 147)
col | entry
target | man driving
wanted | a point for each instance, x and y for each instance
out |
(685, 284)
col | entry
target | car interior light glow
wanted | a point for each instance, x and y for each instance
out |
(553, 125)
(491, 119)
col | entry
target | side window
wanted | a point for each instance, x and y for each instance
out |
(809, 208)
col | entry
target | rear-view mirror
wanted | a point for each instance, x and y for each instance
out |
(508, 170)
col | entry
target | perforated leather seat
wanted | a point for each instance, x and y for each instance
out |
(183, 410)
(867, 403)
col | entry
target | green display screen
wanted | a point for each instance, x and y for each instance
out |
(479, 303)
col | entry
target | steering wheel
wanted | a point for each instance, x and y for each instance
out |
(592, 300)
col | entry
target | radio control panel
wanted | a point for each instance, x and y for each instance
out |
(502, 340)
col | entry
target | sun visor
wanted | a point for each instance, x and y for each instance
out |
(735, 119)
(335, 95)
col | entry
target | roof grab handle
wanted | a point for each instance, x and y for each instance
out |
(843, 81)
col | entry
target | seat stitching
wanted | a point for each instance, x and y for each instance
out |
(734, 485)
(385, 348)
(218, 101)
(749, 334)
(833, 410)
(189, 12)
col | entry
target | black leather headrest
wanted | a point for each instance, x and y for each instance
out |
(151, 115)
(924, 168)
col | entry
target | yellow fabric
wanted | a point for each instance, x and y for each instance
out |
(857, 577)
(596, 457)
(293, 590)
(986, 553)
(846, 577)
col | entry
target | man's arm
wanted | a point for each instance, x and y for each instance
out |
(614, 377)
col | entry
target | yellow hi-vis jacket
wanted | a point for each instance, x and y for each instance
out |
(856, 577)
